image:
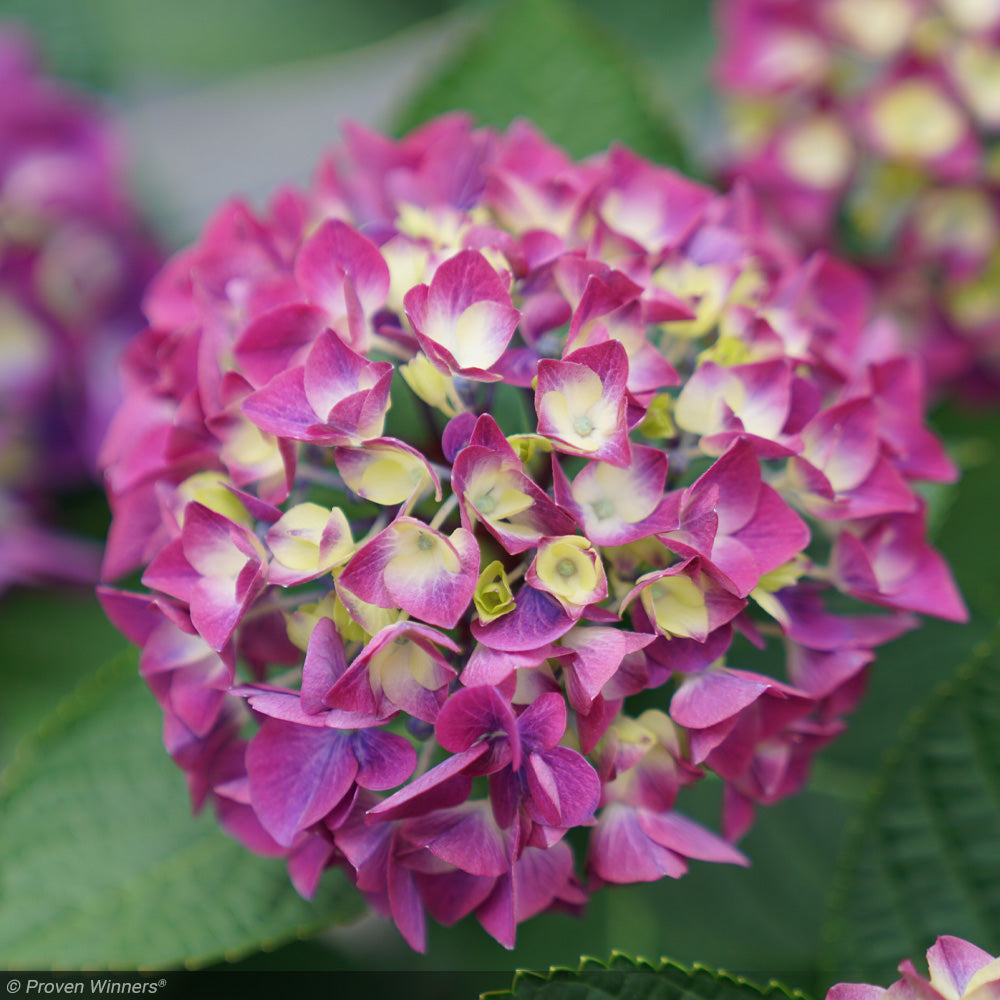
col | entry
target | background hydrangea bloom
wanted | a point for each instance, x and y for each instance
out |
(871, 125)
(464, 482)
(72, 268)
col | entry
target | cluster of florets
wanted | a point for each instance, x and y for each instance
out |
(425, 643)
(872, 126)
(957, 970)
(72, 268)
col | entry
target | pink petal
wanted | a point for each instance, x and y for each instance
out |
(297, 775)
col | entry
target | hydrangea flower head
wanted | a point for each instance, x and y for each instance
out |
(872, 126)
(434, 468)
(72, 267)
(958, 970)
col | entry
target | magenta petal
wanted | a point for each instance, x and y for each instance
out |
(952, 962)
(711, 697)
(135, 615)
(324, 665)
(497, 915)
(362, 576)
(451, 895)
(565, 789)
(287, 706)
(855, 991)
(337, 253)
(538, 618)
(539, 876)
(307, 862)
(465, 836)
(542, 724)
(492, 667)
(281, 407)
(597, 654)
(297, 775)
(406, 906)
(686, 837)
(438, 598)
(621, 852)
(442, 786)
(471, 714)
(241, 823)
(196, 704)
(270, 342)
(171, 572)
(385, 760)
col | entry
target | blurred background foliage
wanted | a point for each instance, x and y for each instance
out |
(223, 96)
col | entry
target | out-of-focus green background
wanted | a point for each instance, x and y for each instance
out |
(224, 96)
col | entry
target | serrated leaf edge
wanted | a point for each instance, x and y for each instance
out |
(640, 964)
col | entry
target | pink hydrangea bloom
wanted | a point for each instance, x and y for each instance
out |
(958, 970)
(72, 268)
(871, 126)
(432, 467)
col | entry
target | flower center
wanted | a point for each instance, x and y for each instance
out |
(424, 542)
(603, 509)
(485, 504)
(565, 568)
(583, 426)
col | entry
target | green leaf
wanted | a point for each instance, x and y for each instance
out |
(924, 857)
(124, 45)
(545, 60)
(676, 45)
(103, 865)
(49, 641)
(625, 978)
(971, 520)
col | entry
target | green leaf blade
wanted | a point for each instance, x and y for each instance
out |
(924, 858)
(543, 59)
(103, 866)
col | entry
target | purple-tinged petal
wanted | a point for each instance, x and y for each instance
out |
(855, 991)
(441, 787)
(275, 340)
(685, 601)
(892, 564)
(325, 663)
(406, 906)
(297, 775)
(399, 669)
(287, 707)
(686, 837)
(343, 272)
(542, 724)
(952, 963)
(492, 667)
(434, 584)
(621, 852)
(466, 836)
(478, 713)
(596, 656)
(307, 862)
(713, 696)
(564, 788)
(385, 760)
(537, 619)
